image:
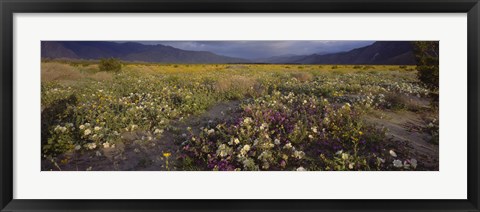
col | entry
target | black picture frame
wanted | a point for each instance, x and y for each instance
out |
(9, 7)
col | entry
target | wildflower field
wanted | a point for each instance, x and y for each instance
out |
(227, 117)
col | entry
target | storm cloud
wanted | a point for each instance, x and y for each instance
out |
(264, 49)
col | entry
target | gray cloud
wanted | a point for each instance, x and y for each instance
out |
(264, 49)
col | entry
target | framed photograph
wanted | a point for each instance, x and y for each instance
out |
(239, 105)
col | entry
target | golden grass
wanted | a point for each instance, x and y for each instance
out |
(58, 72)
(67, 74)
(235, 82)
(101, 76)
(238, 77)
(302, 76)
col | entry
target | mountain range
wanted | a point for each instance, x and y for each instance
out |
(378, 53)
(130, 51)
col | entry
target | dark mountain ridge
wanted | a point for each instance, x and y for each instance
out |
(378, 53)
(130, 51)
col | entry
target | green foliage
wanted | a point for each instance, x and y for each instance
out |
(110, 65)
(427, 54)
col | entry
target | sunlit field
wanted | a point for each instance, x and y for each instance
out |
(237, 117)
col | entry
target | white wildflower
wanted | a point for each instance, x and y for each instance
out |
(106, 145)
(247, 120)
(413, 162)
(397, 163)
(223, 150)
(301, 169)
(299, 154)
(91, 145)
(393, 154)
(244, 150)
(133, 127)
(264, 126)
(276, 141)
(350, 166)
(288, 145)
(87, 132)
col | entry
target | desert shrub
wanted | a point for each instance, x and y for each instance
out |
(334, 67)
(357, 67)
(110, 65)
(403, 67)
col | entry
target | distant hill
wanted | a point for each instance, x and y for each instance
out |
(130, 51)
(378, 53)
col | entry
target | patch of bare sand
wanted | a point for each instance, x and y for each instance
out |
(406, 127)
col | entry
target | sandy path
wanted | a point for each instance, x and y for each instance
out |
(406, 127)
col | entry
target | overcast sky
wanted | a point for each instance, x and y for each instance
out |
(264, 49)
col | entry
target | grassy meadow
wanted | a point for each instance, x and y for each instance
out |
(251, 117)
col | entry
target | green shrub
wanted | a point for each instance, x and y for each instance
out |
(110, 65)
(427, 54)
